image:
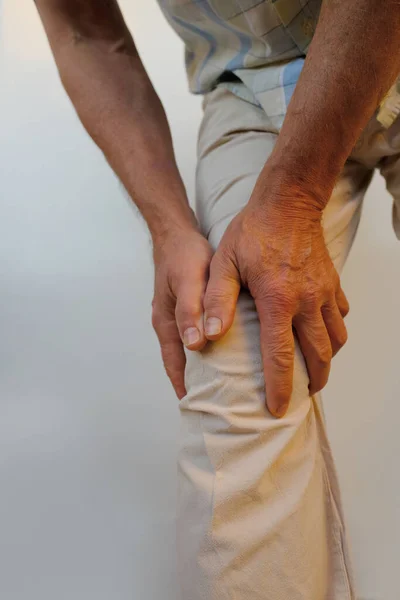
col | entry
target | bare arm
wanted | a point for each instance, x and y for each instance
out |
(275, 246)
(103, 75)
(353, 60)
(112, 94)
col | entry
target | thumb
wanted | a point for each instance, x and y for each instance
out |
(221, 296)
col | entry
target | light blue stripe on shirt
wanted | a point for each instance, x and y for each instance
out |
(291, 74)
(237, 61)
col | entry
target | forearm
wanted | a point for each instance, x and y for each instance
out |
(121, 111)
(352, 62)
(113, 96)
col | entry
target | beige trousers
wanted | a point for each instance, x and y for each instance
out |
(260, 514)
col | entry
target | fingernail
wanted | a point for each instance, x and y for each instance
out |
(191, 336)
(213, 326)
(280, 411)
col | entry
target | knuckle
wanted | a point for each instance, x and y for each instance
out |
(312, 300)
(323, 356)
(188, 311)
(156, 317)
(279, 295)
(271, 287)
(282, 359)
(345, 309)
(340, 337)
(327, 290)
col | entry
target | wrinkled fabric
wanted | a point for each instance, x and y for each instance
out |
(260, 515)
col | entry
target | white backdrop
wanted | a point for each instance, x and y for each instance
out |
(88, 423)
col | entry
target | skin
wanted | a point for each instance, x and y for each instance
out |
(275, 245)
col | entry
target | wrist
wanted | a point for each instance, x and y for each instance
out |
(291, 191)
(172, 225)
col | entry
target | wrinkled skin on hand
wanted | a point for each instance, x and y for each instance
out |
(182, 259)
(280, 256)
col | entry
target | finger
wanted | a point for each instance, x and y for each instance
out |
(277, 349)
(316, 348)
(221, 296)
(189, 314)
(172, 352)
(335, 326)
(342, 302)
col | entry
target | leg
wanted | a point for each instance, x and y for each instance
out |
(259, 507)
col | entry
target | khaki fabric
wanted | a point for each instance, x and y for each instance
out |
(260, 514)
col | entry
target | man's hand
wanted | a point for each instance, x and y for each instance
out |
(279, 254)
(275, 246)
(103, 75)
(182, 259)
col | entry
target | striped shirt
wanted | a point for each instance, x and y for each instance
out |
(256, 48)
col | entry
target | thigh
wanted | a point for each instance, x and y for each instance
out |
(259, 507)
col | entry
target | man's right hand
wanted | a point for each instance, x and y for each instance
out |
(181, 258)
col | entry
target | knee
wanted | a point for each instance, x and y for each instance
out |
(226, 378)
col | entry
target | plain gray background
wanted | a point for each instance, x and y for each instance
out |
(88, 422)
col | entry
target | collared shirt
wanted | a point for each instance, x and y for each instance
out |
(259, 44)
(256, 48)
